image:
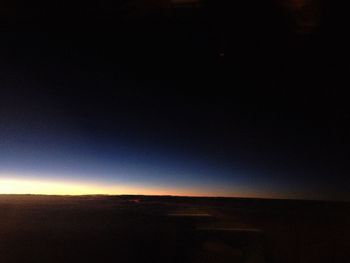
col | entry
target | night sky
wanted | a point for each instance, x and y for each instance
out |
(220, 100)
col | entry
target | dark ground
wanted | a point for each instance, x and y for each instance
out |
(171, 229)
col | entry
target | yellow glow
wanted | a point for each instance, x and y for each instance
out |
(16, 185)
(30, 186)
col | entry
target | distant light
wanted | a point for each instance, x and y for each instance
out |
(136, 201)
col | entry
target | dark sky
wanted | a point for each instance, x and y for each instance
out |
(226, 100)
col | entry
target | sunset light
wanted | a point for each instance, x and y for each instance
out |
(17, 186)
(59, 187)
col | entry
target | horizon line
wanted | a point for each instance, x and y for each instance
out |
(178, 196)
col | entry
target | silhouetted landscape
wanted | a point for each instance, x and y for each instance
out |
(171, 229)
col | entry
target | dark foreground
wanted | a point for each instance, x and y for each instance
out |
(171, 229)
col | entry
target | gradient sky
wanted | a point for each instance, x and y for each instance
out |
(182, 108)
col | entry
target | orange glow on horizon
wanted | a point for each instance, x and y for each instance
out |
(10, 185)
(27, 186)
